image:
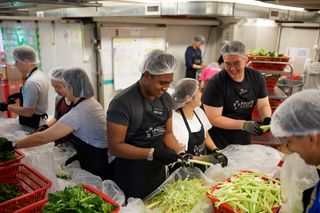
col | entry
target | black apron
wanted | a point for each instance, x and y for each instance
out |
(138, 178)
(192, 73)
(92, 159)
(34, 120)
(196, 145)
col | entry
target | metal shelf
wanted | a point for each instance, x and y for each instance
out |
(285, 72)
(277, 94)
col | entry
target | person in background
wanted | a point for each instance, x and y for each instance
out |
(297, 123)
(85, 123)
(62, 104)
(139, 122)
(191, 125)
(220, 59)
(230, 96)
(207, 73)
(33, 94)
(193, 57)
(312, 73)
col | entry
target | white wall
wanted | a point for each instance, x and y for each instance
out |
(66, 44)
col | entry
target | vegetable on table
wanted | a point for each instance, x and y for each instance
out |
(6, 150)
(8, 191)
(249, 192)
(76, 199)
(265, 128)
(180, 196)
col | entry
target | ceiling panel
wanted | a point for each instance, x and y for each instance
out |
(312, 5)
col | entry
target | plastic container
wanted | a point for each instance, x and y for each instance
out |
(224, 207)
(271, 81)
(16, 160)
(268, 66)
(38, 206)
(284, 85)
(32, 186)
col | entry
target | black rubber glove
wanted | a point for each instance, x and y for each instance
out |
(3, 106)
(266, 121)
(185, 156)
(165, 156)
(252, 127)
(42, 128)
(13, 97)
(6, 145)
(221, 157)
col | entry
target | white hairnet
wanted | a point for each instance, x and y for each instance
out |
(56, 73)
(198, 38)
(233, 48)
(159, 62)
(77, 80)
(184, 91)
(298, 115)
(25, 54)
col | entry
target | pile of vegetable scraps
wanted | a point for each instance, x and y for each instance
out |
(249, 192)
(76, 199)
(180, 196)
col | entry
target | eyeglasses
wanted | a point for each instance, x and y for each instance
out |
(236, 65)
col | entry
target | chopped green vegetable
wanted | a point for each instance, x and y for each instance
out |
(63, 175)
(265, 128)
(263, 52)
(6, 150)
(76, 199)
(8, 191)
(249, 192)
(180, 196)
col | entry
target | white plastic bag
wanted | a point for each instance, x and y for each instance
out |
(113, 191)
(82, 176)
(135, 205)
(296, 176)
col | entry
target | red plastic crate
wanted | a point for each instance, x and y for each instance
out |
(224, 207)
(32, 186)
(271, 81)
(16, 160)
(268, 66)
(38, 206)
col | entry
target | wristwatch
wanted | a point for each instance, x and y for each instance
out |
(150, 154)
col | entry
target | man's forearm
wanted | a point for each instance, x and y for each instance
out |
(224, 122)
(129, 151)
(27, 112)
(171, 142)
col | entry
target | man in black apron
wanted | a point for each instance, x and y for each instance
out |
(193, 57)
(33, 96)
(140, 128)
(230, 96)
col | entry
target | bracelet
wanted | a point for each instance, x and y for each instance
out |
(150, 154)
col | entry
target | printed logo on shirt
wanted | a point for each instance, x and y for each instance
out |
(243, 91)
(155, 131)
(239, 105)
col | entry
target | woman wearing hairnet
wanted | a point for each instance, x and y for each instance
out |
(193, 57)
(139, 123)
(297, 122)
(191, 125)
(62, 104)
(85, 123)
(33, 94)
(230, 96)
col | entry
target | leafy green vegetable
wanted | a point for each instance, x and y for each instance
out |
(250, 192)
(6, 150)
(8, 191)
(263, 52)
(180, 196)
(76, 199)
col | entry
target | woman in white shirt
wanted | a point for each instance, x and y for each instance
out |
(190, 124)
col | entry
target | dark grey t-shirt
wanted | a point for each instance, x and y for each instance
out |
(237, 100)
(126, 108)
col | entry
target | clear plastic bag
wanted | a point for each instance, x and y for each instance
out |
(113, 191)
(135, 205)
(82, 176)
(296, 176)
(181, 174)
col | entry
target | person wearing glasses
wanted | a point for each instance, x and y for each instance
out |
(297, 123)
(230, 96)
(33, 96)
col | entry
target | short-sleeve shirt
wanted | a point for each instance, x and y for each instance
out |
(237, 100)
(126, 108)
(180, 130)
(35, 92)
(190, 54)
(88, 121)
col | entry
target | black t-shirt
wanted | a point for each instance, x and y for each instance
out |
(237, 100)
(126, 108)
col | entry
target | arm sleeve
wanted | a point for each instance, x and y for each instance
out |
(188, 58)
(30, 94)
(119, 112)
(73, 118)
(213, 94)
(204, 120)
